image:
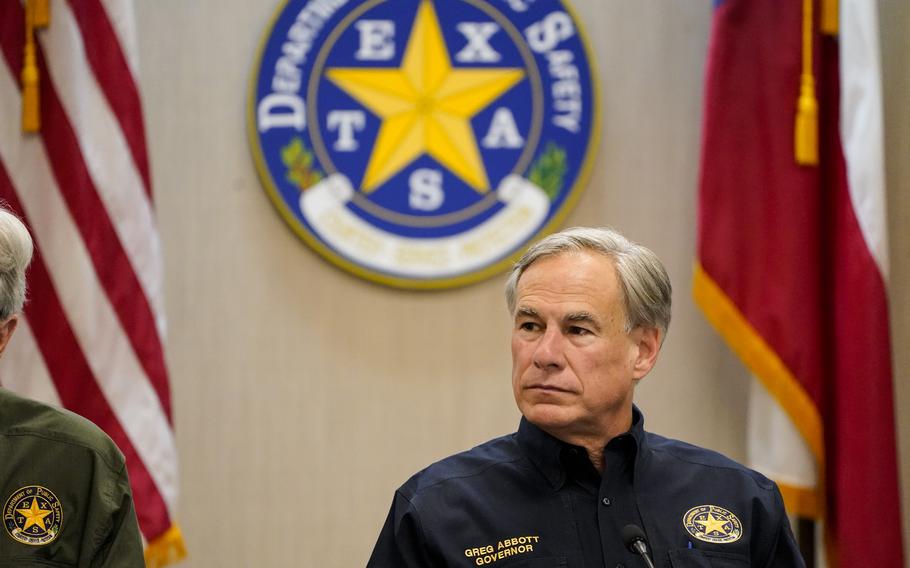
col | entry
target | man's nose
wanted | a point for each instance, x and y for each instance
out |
(548, 353)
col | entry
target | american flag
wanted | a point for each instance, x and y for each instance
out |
(94, 324)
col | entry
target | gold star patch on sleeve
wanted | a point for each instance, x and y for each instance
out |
(33, 515)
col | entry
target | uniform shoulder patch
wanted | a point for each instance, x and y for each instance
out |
(710, 523)
(33, 515)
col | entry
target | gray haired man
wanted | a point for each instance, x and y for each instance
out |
(63, 483)
(581, 481)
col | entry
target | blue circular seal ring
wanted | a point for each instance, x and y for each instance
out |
(423, 144)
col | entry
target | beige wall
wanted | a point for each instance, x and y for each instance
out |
(304, 396)
(895, 21)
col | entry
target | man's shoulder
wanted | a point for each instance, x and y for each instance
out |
(689, 456)
(44, 426)
(465, 467)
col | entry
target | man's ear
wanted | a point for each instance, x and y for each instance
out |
(6, 331)
(648, 340)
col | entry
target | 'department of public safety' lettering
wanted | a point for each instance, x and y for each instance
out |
(420, 143)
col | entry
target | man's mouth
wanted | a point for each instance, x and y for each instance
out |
(547, 388)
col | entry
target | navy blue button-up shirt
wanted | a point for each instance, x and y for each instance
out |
(530, 500)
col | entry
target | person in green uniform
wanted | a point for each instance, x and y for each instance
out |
(64, 487)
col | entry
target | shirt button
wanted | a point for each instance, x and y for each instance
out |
(606, 501)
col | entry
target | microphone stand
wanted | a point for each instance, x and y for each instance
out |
(641, 548)
(634, 538)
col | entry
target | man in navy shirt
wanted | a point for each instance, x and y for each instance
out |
(590, 312)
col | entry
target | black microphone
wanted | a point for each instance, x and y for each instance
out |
(634, 539)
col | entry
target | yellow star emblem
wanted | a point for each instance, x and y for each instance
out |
(713, 524)
(34, 515)
(425, 105)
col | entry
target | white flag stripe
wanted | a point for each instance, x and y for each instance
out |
(24, 370)
(97, 329)
(773, 444)
(861, 123)
(123, 20)
(106, 154)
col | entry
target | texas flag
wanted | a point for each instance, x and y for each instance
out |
(793, 260)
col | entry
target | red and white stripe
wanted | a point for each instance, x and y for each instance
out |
(775, 446)
(94, 324)
(861, 124)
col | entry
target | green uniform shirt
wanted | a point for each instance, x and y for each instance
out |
(64, 491)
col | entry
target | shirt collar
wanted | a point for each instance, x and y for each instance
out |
(546, 451)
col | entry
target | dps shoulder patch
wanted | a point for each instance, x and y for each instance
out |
(423, 143)
(33, 515)
(710, 523)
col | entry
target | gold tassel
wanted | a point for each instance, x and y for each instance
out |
(37, 14)
(830, 17)
(31, 104)
(31, 114)
(805, 129)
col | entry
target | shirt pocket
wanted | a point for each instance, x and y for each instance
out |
(692, 558)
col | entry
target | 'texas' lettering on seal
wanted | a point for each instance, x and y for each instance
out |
(420, 143)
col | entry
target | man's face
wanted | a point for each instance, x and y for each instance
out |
(573, 365)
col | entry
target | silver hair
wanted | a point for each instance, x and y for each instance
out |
(642, 277)
(16, 250)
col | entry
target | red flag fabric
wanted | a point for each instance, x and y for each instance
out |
(792, 258)
(91, 339)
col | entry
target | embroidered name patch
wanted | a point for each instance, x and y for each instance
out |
(33, 515)
(504, 548)
(710, 523)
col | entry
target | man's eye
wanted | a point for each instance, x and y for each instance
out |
(575, 330)
(529, 326)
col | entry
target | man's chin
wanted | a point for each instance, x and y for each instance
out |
(549, 416)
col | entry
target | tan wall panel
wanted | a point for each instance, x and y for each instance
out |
(895, 21)
(305, 396)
